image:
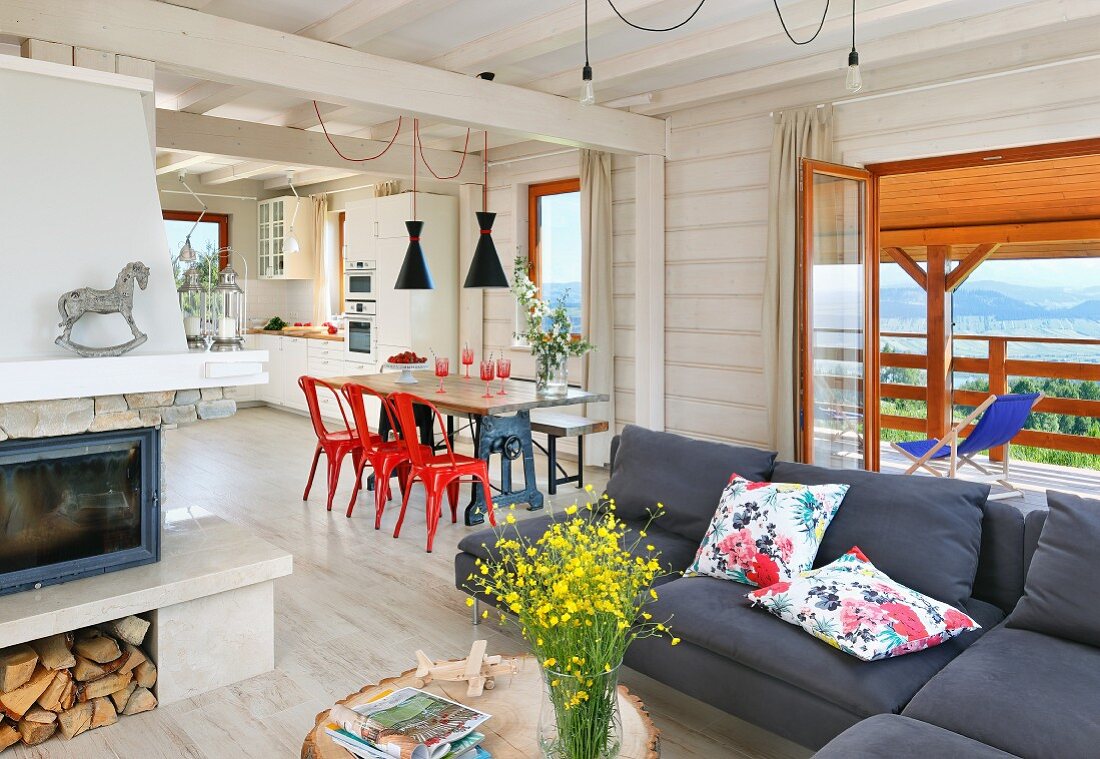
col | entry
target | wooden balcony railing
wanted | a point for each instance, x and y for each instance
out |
(998, 367)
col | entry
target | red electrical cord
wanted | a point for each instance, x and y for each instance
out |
(389, 145)
(424, 160)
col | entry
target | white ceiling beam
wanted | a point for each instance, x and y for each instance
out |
(915, 45)
(249, 141)
(170, 163)
(361, 21)
(305, 117)
(238, 171)
(204, 97)
(759, 32)
(234, 52)
(306, 178)
(551, 31)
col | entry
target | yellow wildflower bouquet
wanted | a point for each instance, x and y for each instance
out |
(580, 593)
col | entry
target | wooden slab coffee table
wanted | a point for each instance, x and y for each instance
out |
(514, 704)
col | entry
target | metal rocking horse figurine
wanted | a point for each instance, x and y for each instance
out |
(118, 300)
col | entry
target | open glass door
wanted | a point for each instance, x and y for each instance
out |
(838, 336)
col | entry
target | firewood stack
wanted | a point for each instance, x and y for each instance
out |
(74, 682)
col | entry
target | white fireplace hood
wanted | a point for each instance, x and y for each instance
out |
(78, 201)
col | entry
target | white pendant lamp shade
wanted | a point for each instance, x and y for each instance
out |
(187, 253)
(290, 242)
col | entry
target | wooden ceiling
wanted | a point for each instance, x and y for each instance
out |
(1051, 190)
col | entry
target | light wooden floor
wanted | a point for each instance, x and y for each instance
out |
(354, 610)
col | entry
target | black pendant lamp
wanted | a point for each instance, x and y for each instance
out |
(414, 274)
(485, 269)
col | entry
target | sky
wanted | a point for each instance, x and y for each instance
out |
(561, 237)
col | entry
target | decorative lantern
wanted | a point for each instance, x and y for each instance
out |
(193, 308)
(229, 312)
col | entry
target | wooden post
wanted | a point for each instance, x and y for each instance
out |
(998, 382)
(649, 287)
(939, 342)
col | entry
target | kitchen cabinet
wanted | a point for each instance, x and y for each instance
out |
(274, 218)
(292, 357)
(420, 320)
(272, 392)
(294, 366)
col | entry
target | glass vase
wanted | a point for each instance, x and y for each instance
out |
(580, 718)
(551, 376)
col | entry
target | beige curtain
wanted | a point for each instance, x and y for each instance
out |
(323, 272)
(799, 133)
(598, 306)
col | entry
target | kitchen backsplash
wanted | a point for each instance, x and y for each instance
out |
(292, 300)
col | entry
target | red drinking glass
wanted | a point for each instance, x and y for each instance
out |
(504, 371)
(467, 359)
(488, 373)
(442, 369)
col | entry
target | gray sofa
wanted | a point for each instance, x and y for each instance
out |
(941, 537)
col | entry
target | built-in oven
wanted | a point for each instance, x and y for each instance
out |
(360, 280)
(360, 335)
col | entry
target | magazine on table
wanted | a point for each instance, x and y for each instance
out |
(407, 724)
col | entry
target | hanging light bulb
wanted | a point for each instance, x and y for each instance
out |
(290, 242)
(588, 90)
(853, 82)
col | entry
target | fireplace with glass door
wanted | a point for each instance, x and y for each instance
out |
(78, 505)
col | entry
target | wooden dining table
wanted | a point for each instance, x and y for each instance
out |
(501, 424)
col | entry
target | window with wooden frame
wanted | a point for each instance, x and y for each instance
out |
(212, 233)
(554, 244)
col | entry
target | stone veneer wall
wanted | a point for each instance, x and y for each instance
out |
(73, 416)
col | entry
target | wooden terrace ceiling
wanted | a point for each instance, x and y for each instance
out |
(1052, 190)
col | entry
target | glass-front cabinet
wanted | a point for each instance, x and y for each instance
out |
(276, 217)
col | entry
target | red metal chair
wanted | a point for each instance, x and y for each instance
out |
(383, 456)
(334, 444)
(438, 473)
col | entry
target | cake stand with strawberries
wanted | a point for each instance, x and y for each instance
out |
(406, 362)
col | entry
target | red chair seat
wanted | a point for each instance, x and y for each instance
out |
(335, 444)
(439, 473)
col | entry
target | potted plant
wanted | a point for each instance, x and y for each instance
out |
(549, 331)
(579, 593)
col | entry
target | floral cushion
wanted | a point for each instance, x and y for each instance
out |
(764, 532)
(853, 606)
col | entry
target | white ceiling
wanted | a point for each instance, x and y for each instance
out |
(732, 43)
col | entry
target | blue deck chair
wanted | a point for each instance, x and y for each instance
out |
(999, 418)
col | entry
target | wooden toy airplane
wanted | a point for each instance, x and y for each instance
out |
(478, 670)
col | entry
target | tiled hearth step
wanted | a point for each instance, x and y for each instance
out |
(76, 681)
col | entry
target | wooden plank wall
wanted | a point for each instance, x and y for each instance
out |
(716, 213)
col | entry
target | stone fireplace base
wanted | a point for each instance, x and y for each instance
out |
(210, 600)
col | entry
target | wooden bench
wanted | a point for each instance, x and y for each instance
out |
(555, 424)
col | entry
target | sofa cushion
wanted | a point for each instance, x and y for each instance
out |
(687, 476)
(925, 532)
(714, 614)
(764, 532)
(854, 607)
(1021, 691)
(892, 736)
(1061, 596)
(1000, 578)
(676, 551)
